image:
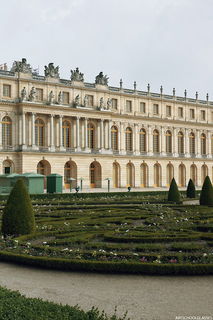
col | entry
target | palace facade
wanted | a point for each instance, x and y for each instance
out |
(92, 131)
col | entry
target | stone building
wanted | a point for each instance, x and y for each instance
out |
(92, 131)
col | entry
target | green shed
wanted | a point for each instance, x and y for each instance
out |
(34, 182)
(7, 182)
(54, 183)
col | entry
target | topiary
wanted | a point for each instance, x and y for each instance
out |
(18, 216)
(190, 192)
(174, 194)
(206, 196)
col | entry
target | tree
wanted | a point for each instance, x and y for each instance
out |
(18, 216)
(174, 194)
(190, 192)
(206, 196)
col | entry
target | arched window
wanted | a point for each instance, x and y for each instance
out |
(180, 142)
(95, 175)
(130, 174)
(156, 146)
(142, 140)
(70, 174)
(6, 132)
(116, 175)
(168, 141)
(66, 134)
(193, 173)
(192, 143)
(39, 133)
(203, 143)
(114, 138)
(170, 173)
(144, 175)
(157, 175)
(182, 175)
(91, 136)
(204, 172)
(128, 133)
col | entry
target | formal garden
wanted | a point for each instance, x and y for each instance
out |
(131, 232)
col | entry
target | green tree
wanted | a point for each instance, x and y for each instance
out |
(18, 216)
(206, 196)
(190, 192)
(174, 194)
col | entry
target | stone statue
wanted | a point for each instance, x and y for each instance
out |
(109, 104)
(23, 94)
(77, 100)
(51, 71)
(60, 97)
(32, 95)
(76, 75)
(102, 103)
(86, 101)
(21, 66)
(101, 79)
(51, 97)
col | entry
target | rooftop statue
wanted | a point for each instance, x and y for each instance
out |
(60, 97)
(101, 79)
(77, 100)
(76, 75)
(51, 97)
(24, 94)
(51, 71)
(21, 66)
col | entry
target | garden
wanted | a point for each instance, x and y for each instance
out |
(138, 233)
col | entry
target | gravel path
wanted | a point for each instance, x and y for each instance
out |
(145, 297)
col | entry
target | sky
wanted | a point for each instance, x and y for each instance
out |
(161, 42)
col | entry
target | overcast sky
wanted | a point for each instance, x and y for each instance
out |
(161, 42)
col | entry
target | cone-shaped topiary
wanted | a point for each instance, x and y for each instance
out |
(18, 216)
(206, 196)
(174, 194)
(190, 192)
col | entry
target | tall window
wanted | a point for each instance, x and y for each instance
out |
(142, 140)
(203, 143)
(156, 146)
(114, 104)
(203, 115)
(142, 107)
(180, 112)
(114, 138)
(90, 100)
(155, 109)
(91, 136)
(6, 132)
(66, 133)
(168, 141)
(39, 132)
(128, 133)
(192, 143)
(168, 111)
(128, 106)
(6, 90)
(180, 142)
(65, 97)
(192, 113)
(39, 94)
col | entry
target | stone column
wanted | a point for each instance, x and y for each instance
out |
(175, 142)
(136, 140)
(85, 134)
(150, 141)
(187, 143)
(52, 145)
(23, 130)
(122, 138)
(101, 134)
(33, 131)
(198, 144)
(109, 135)
(20, 129)
(61, 147)
(77, 134)
(162, 141)
(208, 144)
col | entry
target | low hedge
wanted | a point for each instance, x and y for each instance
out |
(108, 266)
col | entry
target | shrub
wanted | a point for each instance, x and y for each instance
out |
(206, 196)
(18, 216)
(174, 194)
(190, 192)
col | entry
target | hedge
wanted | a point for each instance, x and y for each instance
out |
(108, 266)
